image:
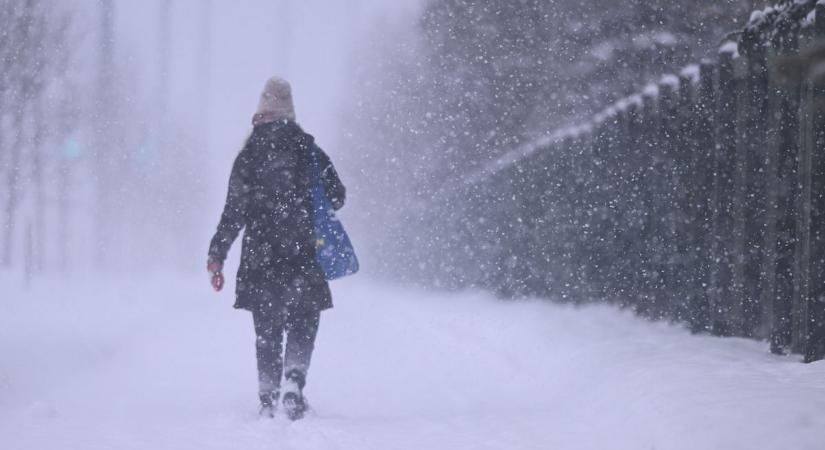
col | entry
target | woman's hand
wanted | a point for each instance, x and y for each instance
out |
(215, 271)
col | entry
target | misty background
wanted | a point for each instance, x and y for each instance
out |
(120, 119)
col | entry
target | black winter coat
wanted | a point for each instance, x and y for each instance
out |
(269, 195)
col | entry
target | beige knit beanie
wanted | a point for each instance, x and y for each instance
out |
(276, 101)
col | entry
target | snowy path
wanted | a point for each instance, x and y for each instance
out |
(395, 368)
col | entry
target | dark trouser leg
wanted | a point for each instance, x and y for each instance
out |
(269, 331)
(302, 327)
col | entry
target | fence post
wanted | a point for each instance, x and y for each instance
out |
(513, 230)
(646, 148)
(561, 218)
(666, 165)
(815, 342)
(615, 152)
(687, 227)
(800, 313)
(505, 231)
(597, 246)
(785, 120)
(518, 229)
(622, 207)
(725, 295)
(755, 111)
(528, 192)
(541, 195)
(705, 108)
(584, 168)
(803, 218)
(636, 208)
(489, 233)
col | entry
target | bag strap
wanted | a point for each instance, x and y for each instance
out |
(313, 160)
(317, 188)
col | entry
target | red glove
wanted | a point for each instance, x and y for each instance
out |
(214, 268)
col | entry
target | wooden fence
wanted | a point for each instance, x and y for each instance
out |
(699, 200)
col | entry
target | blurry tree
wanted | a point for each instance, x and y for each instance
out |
(84, 175)
(385, 132)
(484, 76)
(104, 122)
(507, 71)
(31, 47)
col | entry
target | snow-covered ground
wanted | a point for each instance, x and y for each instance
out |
(122, 366)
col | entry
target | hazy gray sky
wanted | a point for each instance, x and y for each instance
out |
(308, 41)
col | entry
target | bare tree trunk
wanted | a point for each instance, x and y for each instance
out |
(12, 201)
(39, 184)
(64, 171)
(103, 148)
(13, 188)
(65, 120)
(63, 222)
(28, 255)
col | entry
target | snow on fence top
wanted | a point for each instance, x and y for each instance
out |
(625, 103)
(670, 80)
(796, 12)
(691, 72)
(730, 47)
(514, 156)
(809, 19)
(756, 18)
(650, 90)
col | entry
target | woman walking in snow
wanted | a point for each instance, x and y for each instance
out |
(279, 279)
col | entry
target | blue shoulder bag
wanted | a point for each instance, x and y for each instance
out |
(333, 249)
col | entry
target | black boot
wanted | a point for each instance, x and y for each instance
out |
(269, 401)
(294, 403)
